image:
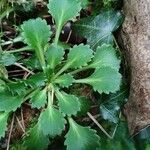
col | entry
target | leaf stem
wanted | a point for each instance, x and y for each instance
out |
(81, 80)
(28, 95)
(71, 121)
(58, 30)
(79, 70)
(50, 97)
(41, 59)
(64, 68)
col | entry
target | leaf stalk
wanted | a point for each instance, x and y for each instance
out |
(58, 30)
(64, 68)
(79, 70)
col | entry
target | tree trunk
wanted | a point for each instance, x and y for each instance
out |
(135, 40)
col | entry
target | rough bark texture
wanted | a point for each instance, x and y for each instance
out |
(135, 38)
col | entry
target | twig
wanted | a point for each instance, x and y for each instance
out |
(26, 75)
(96, 122)
(14, 71)
(17, 75)
(22, 119)
(19, 50)
(88, 119)
(69, 36)
(24, 68)
(10, 132)
(114, 131)
(20, 124)
(116, 126)
(104, 131)
(117, 45)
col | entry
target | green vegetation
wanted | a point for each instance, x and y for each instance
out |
(57, 72)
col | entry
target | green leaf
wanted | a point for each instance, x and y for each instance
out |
(36, 139)
(79, 56)
(108, 4)
(98, 30)
(17, 88)
(63, 10)
(32, 63)
(112, 103)
(69, 104)
(36, 80)
(85, 106)
(81, 138)
(54, 56)
(3, 123)
(38, 98)
(64, 45)
(104, 80)
(110, 111)
(8, 102)
(51, 122)
(105, 56)
(17, 146)
(3, 72)
(36, 33)
(65, 80)
(147, 147)
(7, 59)
(121, 140)
(2, 86)
(144, 135)
(84, 3)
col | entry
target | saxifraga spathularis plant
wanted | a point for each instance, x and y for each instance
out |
(45, 89)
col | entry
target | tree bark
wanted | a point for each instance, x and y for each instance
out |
(135, 40)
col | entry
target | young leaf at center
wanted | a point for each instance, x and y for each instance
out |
(54, 56)
(69, 104)
(65, 80)
(78, 57)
